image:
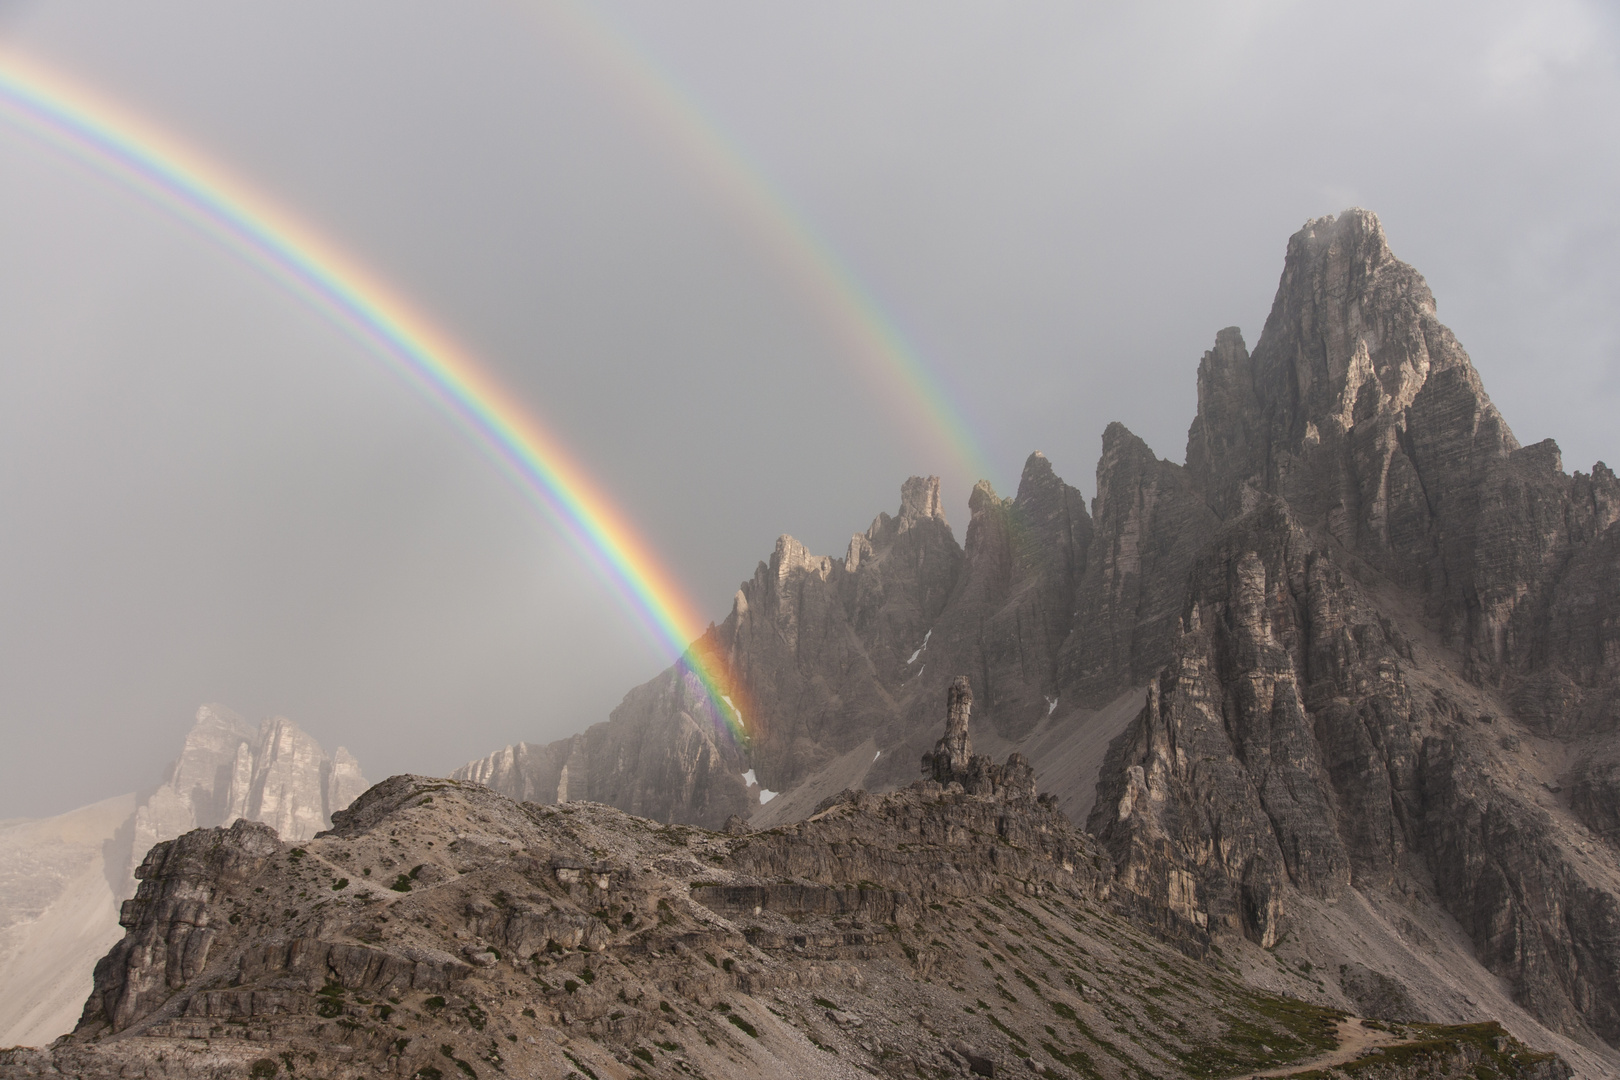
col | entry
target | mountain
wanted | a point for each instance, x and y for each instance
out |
(960, 926)
(62, 879)
(1342, 686)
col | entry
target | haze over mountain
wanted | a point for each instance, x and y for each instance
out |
(213, 493)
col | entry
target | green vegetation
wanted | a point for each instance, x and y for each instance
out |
(743, 1025)
(1281, 1031)
(329, 1001)
(1078, 1060)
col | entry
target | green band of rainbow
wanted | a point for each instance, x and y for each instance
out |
(155, 163)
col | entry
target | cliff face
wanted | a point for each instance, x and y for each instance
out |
(1378, 643)
(1380, 664)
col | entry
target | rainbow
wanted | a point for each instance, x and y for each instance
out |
(846, 302)
(135, 152)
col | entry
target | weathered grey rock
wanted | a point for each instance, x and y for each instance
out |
(952, 760)
(1303, 739)
(176, 915)
(226, 770)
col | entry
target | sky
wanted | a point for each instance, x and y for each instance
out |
(647, 222)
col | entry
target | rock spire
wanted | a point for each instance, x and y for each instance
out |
(953, 762)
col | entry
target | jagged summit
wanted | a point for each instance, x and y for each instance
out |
(1383, 642)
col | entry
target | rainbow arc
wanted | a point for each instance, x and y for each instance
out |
(136, 152)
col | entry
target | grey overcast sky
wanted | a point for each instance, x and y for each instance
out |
(209, 493)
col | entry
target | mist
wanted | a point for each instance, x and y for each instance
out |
(211, 492)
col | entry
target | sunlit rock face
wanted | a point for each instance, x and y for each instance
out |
(1393, 656)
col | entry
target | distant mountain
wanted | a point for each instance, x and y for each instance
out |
(62, 879)
(1345, 685)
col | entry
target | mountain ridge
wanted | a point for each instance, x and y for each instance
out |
(1378, 642)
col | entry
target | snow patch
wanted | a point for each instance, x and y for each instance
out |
(733, 705)
(750, 778)
(766, 796)
(920, 648)
(1051, 705)
(877, 755)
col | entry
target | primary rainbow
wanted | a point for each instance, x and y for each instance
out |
(135, 152)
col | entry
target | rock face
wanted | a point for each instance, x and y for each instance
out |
(439, 926)
(1361, 654)
(65, 877)
(1379, 650)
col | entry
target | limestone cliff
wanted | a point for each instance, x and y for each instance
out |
(226, 770)
(1380, 663)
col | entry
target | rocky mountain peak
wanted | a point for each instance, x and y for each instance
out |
(950, 756)
(920, 501)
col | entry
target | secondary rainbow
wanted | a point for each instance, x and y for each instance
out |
(134, 151)
(822, 275)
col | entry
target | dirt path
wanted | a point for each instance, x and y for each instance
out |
(1354, 1041)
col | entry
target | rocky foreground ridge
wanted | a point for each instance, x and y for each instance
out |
(960, 926)
(1346, 684)
(62, 879)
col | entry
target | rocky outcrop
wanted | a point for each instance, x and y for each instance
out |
(174, 918)
(953, 765)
